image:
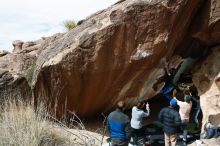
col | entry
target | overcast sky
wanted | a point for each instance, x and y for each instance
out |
(31, 19)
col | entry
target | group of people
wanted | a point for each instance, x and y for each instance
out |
(177, 115)
(174, 117)
(121, 128)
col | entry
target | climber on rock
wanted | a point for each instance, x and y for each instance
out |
(119, 126)
(138, 113)
(167, 89)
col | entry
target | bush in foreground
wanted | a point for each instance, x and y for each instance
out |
(23, 125)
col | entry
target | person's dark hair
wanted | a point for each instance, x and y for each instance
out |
(121, 105)
(179, 95)
(140, 104)
(187, 92)
(193, 90)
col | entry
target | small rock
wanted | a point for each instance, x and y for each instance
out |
(17, 44)
(3, 53)
(28, 44)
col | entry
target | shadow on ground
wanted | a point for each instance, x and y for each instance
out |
(155, 135)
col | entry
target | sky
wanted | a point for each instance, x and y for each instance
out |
(29, 20)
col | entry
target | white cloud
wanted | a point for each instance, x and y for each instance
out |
(31, 19)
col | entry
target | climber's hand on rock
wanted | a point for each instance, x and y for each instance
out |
(147, 106)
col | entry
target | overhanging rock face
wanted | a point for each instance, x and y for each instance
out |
(114, 54)
(208, 81)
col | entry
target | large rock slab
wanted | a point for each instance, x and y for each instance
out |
(207, 73)
(207, 79)
(114, 54)
(206, 25)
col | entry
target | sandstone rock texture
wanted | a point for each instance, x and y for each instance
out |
(119, 54)
(3, 53)
(17, 44)
(207, 80)
(115, 54)
(206, 75)
(17, 68)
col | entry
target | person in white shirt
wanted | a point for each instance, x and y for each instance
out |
(138, 113)
(184, 111)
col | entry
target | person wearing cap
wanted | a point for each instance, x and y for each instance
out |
(119, 126)
(170, 118)
(184, 111)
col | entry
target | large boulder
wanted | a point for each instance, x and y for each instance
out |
(207, 72)
(205, 27)
(118, 53)
(207, 79)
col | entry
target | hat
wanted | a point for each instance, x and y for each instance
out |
(173, 103)
(187, 98)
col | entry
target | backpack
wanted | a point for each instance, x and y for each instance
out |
(210, 131)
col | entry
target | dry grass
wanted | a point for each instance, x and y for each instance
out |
(23, 125)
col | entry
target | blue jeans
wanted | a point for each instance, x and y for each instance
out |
(184, 129)
(195, 115)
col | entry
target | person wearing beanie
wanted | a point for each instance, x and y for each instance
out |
(184, 111)
(170, 118)
(173, 103)
(187, 98)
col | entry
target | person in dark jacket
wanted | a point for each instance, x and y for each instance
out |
(171, 121)
(119, 126)
(196, 108)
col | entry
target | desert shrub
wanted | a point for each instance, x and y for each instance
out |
(23, 124)
(29, 69)
(69, 24)
(20, 125)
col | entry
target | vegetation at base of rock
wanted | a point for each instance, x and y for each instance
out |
(69, 24)
(23, 125)
(191, 128)
(29, 69)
